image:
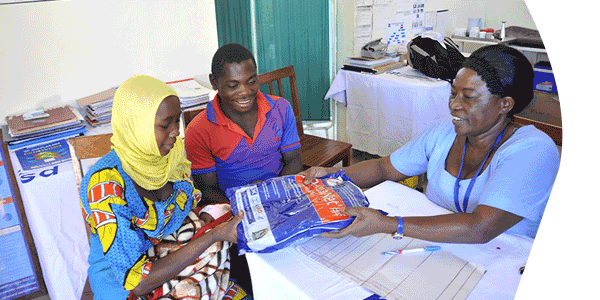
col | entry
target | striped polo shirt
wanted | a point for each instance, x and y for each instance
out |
(214, 143)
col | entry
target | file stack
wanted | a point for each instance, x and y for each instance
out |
(41, 126)
(372, 65)
(191, 94)
(98, 107)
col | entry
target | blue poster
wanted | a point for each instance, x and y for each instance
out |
(18, 273)
(44, 155)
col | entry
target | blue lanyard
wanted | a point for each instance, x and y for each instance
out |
(472, 183)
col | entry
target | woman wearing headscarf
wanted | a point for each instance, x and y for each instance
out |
(141, 206)
(494, 174)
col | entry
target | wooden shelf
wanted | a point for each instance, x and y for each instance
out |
(466, 39)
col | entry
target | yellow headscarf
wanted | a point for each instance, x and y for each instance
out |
(134, 110)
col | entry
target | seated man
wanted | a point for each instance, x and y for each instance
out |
(243, 136)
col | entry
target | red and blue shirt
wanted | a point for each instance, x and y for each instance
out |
(214, 143)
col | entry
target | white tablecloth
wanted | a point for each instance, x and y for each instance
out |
(288, 274)
(386, 111)
(51, 202)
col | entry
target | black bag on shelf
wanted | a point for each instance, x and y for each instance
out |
(433, 59)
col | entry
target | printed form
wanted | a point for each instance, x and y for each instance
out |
(425, 275)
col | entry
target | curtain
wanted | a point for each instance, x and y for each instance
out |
(291, 32)
(234, 22)
(288, 32)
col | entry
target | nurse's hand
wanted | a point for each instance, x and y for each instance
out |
(368, 221)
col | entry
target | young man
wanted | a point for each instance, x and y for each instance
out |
(243, 136)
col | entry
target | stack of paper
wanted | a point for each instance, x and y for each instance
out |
(372, 65)
(191, 94)
(42, 125)
(98, 107)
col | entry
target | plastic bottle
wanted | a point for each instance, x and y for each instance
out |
(503, 31)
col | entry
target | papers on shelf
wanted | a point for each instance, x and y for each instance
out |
(58, 116)
(98, 107)
(368, 62)
(190, 92)
(374, 69)
(62, 122)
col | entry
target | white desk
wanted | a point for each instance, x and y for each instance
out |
(386, 111)
(288, 274)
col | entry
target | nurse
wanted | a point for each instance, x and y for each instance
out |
(495, 175)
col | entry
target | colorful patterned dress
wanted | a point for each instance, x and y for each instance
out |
(126, 228)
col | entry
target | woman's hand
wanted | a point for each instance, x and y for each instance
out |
(368, 221)
(316, 172)
(227, 231)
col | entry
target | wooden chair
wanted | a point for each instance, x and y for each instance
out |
(189, 115)
(552, 130)
(316, 151)
(85, 147)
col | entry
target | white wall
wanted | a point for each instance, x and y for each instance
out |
(59, 51)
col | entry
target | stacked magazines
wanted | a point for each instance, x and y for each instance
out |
(372, 65)
(42, 126)
(191, 94)
(98, 107)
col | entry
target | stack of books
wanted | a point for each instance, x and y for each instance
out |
(372, 65)
(98, 107)
(41, 126)
(191, 94)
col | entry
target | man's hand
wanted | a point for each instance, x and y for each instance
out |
(316, 172)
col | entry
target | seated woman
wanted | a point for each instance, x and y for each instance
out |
(494, 174)
(141, 206)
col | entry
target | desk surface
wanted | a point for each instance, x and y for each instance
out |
(291, 275)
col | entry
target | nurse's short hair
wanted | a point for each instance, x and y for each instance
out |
(506, 72)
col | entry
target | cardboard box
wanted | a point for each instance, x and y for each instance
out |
(543, 79)
(545, 107)
(544, 113)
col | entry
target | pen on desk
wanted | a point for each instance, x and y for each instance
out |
(422, 249)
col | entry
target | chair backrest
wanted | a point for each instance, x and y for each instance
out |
(85, 147)
(189, 115)
(277, 76)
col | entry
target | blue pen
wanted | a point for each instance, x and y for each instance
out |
(422, 249)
